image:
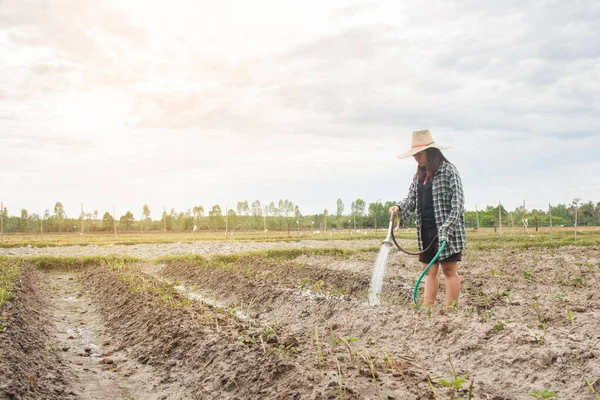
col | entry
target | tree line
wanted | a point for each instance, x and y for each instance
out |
(283, 216)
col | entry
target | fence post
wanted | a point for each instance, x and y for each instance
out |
(550, 213)
(576, 208)
(500, 216)
(524, 225)
(2, 220)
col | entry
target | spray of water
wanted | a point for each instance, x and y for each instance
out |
(378, 272)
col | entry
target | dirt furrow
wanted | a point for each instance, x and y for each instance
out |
(102, 367)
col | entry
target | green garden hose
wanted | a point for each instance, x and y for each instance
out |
(425, 271)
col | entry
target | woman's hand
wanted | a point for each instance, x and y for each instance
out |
(394, 210)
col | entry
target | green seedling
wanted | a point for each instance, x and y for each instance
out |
(539, 312)
(542, 394)
(346, 339)
(455, 383)
(541, 339)
(351, 352)
(570, 317)
(432, 388)
(499, 327)
(560, 296)
(246, 340)
(528, 275)
(317, 340)
(339, 368)
(284, 350)
(577, 281)
(371, 364)
(589, 385)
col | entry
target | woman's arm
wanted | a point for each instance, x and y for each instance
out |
(409, 204)
(457, 206)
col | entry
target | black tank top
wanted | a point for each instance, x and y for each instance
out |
(427, 211)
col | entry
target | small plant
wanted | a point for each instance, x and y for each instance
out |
(528, 275)
(577, 281)
(541, 339)
(539, 312)
(455, 383)
(560, 296)
(317, 340)
(592, 388)
(371, 364)
(542, 394)
(570, 317)
(339, 368)
(246, 340)
(499, 327)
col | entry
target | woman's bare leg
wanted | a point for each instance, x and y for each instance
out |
(450, 270)
(431, 284)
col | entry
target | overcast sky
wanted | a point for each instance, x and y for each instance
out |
(183, 103)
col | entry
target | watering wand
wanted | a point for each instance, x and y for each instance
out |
(391, 239)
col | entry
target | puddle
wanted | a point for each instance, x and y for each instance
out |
(195, 295)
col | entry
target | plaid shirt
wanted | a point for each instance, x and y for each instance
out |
(448, 204)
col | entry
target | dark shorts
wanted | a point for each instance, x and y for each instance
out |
(428, 236)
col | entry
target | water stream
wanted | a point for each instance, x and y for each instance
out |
(378, 272)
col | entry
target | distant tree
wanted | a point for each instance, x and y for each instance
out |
(59, 212)
(22, 223)
(146, 211)
(273, 210)
(127, 220)
(215, 217)
(358, 209)
(232, 218)
(377, 214)
(587, 215)
(340, 208)
(107, 221)
(287, 209)
(198, 212)
(257, 213)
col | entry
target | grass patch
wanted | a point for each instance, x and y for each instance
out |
(9, 270)
(46, 263)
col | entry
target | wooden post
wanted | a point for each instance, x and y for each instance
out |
(500, 216)
(477, 213)
(576, 208)
(114, 220)
(524, 226)
(82, 218)
(536, 224)
(2, 220)
(164, 220)
(550, 212)
(512, 224)
(42, 228)
(226, 225)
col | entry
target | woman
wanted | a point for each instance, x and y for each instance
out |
(436, 194)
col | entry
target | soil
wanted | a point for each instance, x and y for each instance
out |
(527, 321)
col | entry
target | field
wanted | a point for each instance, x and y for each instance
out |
(271, 317)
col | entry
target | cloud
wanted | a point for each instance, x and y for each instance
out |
(313, 99)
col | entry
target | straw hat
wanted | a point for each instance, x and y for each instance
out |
(421, 140)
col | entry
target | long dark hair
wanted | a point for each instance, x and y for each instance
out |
(432, 164)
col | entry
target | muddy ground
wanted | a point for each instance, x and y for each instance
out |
(528, 321)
